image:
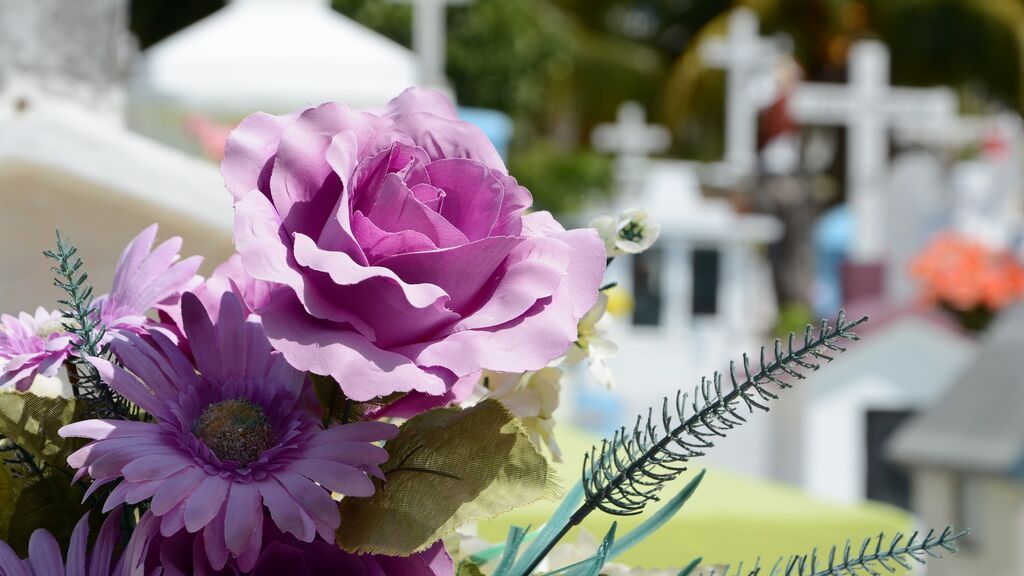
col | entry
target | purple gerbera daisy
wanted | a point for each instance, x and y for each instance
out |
(31, 346)
(44, 557)
(241, 434)
(150, 552)
(146, 278)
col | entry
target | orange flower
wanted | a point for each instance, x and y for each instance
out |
(964, 274)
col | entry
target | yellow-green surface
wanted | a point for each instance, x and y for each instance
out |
(731, 518)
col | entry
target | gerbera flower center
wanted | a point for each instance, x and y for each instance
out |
(235, 430)
(50, 327)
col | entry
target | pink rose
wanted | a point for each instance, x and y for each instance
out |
(399, 248)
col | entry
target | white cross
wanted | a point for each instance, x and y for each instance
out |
(429, 37)
(749, 61)
(869, 107)
(632, 140)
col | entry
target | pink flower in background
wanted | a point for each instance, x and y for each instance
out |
(241, 434)
(149, 550)
(45, 557)
(146, 278)
(30, 346)
(399, 242)
(211, 135)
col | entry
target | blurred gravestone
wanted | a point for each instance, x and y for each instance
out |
(869, 107)
(749, 61)
(985, 190)
(916, 209)
(986, 200)
(82, 47)
(632, 140)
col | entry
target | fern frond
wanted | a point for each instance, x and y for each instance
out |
(871, 557)
(627, 472)
(81, 319)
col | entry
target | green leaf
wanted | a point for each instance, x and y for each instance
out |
(446, 467)
(516, 534)
(552, 531)
(336, 407)
(50, 503)
(468, 568)
(693, 565)
(32, 422)
(341, 409)
(591, 566)
(10, 487)
(650, 525)
(494, 551)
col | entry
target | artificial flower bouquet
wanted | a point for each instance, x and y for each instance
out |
(968, 279)
(375, 368)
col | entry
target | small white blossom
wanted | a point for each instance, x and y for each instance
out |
(633, 232)
(467, 541)
(532, 397)
(592, 342)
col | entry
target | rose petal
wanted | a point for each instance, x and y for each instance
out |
(473, 195)
(249, 152)
(363, 370)
(462, 272)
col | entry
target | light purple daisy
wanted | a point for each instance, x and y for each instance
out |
(146, 278)
(30, 346)
(241, 434)
(150, 552)
(44, 555)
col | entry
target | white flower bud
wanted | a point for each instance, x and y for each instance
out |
(633, 232)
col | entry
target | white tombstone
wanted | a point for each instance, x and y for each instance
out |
(906, 364)
(987, 191)
(429, 39)
(632, 140)
(81, 50)
(269, 55)
(986, 209)
(917, 206)
(681, 347)
(868, 107)
(750, 62)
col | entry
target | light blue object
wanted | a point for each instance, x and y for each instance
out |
(496, 125)
(595, 409)
(833, 235)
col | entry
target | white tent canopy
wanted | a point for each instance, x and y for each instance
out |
(270, 55)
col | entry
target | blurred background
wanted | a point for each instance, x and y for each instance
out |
(801, 156)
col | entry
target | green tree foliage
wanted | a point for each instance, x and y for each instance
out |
(974, 46)
(560, 180)
(154, 20)
(501, 55)
(965, 43)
